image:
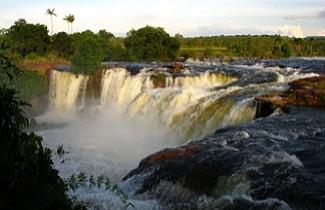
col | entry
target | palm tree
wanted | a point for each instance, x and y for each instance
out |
(51, 12)
(69, 19)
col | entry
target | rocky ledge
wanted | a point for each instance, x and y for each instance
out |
(274, 163)
(303, 92)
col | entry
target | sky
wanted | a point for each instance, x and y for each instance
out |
(297, 18)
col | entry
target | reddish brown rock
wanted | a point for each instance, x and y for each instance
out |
(302, 92)
(159, 80)
(175, 68)
(172, 153)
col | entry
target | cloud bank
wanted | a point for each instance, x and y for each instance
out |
(291, 31)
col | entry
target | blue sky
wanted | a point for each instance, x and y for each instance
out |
(188, 17)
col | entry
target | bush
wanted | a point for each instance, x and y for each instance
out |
(27, 177)
(32, 56)
(88, 57)
(26, 38)
(150, 43)
(62, 45)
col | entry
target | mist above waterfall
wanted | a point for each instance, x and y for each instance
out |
(107, 143)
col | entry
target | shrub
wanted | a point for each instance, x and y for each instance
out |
(26, 38)
(150, 43)
(61, 44)
(27, 177)
(88, 57)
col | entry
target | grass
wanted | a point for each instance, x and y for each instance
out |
(201, 52)
(37, 63)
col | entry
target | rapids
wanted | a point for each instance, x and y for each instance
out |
(113, 119)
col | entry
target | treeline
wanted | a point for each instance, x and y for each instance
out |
(27, 41)
(263, 46)
(86, 50)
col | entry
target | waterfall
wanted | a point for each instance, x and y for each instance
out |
(67, 91)
(119, 88)
(206, 79)
(187, 105)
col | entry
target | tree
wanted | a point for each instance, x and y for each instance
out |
(61, 44)
(112, 46)
(286, 50)
(27, 177)
(26, 38)
(173, 45)
(51, 12)
(70, 19)
(150, 43)
(87, 57)
(105, 35)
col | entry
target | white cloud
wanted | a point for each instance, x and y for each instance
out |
(291, 31)
(213, 17)
(321, 33)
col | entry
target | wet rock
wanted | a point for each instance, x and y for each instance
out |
(159, 80)
(174, 68)
(62, 68)
(302, 92)
(272, 163)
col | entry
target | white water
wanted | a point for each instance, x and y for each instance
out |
(131, 119)
(67, 90)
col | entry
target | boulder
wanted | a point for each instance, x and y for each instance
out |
(174, 68)
(302, 92)
(272, 163)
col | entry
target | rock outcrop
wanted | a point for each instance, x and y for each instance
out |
(274, 162)
(303, 92)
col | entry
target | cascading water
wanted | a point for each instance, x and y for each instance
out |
(67, 91)
(134, 115)
(120, 89)
(184, 102)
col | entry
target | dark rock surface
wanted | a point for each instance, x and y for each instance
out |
(270, 161)
(302, 92)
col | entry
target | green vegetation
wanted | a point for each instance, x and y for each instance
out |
(151, 43)
(29, 84)
(27, 177)
(61, 45)
(24, 38)
(87, 57)
(202, 52)
(264, 46)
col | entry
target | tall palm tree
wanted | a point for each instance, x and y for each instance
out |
(70, 18)
(51, 12)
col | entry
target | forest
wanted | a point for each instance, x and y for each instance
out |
(251, 46)
(27, 41)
